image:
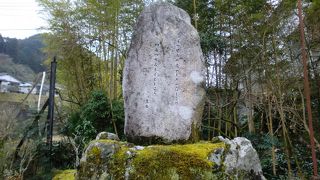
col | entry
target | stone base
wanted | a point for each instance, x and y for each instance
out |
(109, 159)
(142, 140)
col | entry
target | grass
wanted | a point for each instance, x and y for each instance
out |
(65, 175)
(19, 97)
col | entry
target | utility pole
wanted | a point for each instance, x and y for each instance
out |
(51, 103)
(307, 90)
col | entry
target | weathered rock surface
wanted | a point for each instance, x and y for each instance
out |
(241, 157)
(225, 159)
(107, 135)
(163, 77)
(94, 161)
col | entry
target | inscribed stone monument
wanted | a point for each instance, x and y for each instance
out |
(163, 77)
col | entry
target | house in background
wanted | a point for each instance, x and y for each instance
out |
(26, 88)
(8, 83)
(45, 89)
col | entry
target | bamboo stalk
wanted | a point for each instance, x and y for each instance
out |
(270, 126)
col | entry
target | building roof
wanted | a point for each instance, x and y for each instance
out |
(25, 85)
(8, 78)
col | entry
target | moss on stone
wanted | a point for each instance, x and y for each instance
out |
(109, 159)
(94, 155)
(108, 141)
(118, 162)
(189, 161)
(98, 154)
(68, 174)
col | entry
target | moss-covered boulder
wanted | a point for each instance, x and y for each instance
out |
(109, 159)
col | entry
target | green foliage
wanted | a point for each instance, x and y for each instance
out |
(263, 142)
(2, 44)
(30, 53)
(21, 58)
(97, 110)
(63, 155)
(11, 48)
(95, 116)
(90, 39)
(118, 116)
(207, 25)
(68, 174)
(300, 155)
(24, 51)
(20, 71)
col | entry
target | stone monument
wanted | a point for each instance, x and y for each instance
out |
(163, 78)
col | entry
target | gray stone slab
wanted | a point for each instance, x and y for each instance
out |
(163, 77)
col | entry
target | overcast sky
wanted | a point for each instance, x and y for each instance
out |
(20, 18)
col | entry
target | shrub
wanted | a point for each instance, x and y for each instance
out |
(97, 115)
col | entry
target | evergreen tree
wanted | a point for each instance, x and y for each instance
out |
(2, 44)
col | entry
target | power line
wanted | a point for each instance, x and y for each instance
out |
(17, 5)
(21, 29)
(7, 6)
(13, 2)
(15, 15)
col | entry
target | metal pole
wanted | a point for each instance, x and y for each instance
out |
(40, 91)
(307, 90)
(51, 103)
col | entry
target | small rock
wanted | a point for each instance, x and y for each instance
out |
(137, 148)
(93, 162)
(241, 156)
(216, 156)
(107, 135)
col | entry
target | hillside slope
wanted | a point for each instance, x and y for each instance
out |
(19, 71)
(24, 52)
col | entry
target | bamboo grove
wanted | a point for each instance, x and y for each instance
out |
(253, 58)
(90, 39)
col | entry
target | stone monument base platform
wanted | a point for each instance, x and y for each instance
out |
(219, 159)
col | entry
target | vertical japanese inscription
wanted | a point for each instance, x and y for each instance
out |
(155, 66)
(147, 102)
(154, 71)
(177, 50)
